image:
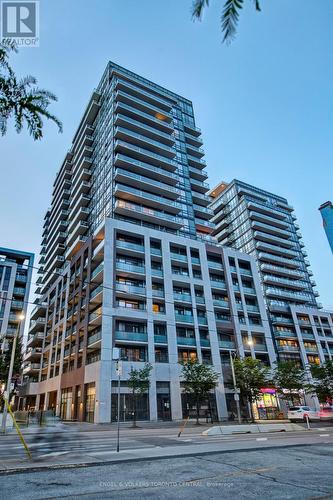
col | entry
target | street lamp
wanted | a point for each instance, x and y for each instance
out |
(236, 391)
(20, 318)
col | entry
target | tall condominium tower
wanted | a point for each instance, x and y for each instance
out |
(15, 279)
(263, 225)
(127, 261)
(326, 210)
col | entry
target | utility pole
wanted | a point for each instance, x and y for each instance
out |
(236, 391)
(20, 318)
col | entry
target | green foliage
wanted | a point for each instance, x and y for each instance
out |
(251, 376)
(139, 380)
(199, 380)
(21, 99)
(5, 362)
(289, 379)
(229, 18)
(323, 381)
(139, 383)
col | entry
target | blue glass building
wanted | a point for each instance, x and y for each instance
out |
(326, 210)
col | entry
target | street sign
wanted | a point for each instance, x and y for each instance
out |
(236, 397)
(115, 353)
(119, 368)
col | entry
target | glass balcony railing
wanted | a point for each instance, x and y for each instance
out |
(124, 266)
(97, 270)
(141, 125)
(218, 284)
(146, 152)
(148, 181)
(185, 297)
(186, 341)
(160, 339)
(204, 342)
(156, 272)
(96, 291)
(184, 318)
(202, 320)
(215, 265)
(130, 246)
(131, 336)
(178, 256)
(227, 344)
(122, 287)
(146, 166)
(148, 196)
(221, 303)
(94, 338)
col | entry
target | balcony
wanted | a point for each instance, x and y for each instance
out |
(275, 249)
(184, 318)
(97, 273)
(77, 244)
(127, 245)
(137, 91)
(202, 320)
(199, 198)
(295, 296)
(139, 127)
(145, 155)
(288, 348)
(192, 129)
(186, 341)
(293, 284)
(259, 347)
(146, 169)
(36, 339)
(224, 304)
(199, 185)
(135, 113)
(282, 271)
(31, 367)
(182, 297)
(268, 210)
(156, 272)
(130, 289)
(143, 141)
(137, 196)
(196, 162)
(130, 268)
(284, 334)
(218, 284)
(215, 265)
(140, 181)
(148, 214)
(199, 176)
(94, 339)
(270, 238)
(37, 324)
(160, 339)
(142, 105)
(227, 344)
(202, 212)
(96, 294)
(195, 150)
(131, 336)
(178, 256)
(280, 260)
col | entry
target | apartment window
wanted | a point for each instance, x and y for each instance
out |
(161, 355)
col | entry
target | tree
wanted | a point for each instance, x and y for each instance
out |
(21, 99)
(230, 15)
(139, 383)
(199, 380)
(323, 381)
(289, 379)
(251, 376)
(5, 362)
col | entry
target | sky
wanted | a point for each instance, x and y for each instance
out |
(264, 102)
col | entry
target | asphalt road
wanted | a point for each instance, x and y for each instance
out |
(283, 473)
(98, 444)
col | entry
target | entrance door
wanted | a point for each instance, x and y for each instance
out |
(163, 400)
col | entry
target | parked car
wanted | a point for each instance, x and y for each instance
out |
(296, 413)
(326, 413)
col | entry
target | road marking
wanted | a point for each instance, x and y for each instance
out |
(321, 429)
(185, 440)
(323, 435)
(261, 439)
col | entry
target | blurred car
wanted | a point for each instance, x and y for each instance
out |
(296, 413)
(326, 413)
